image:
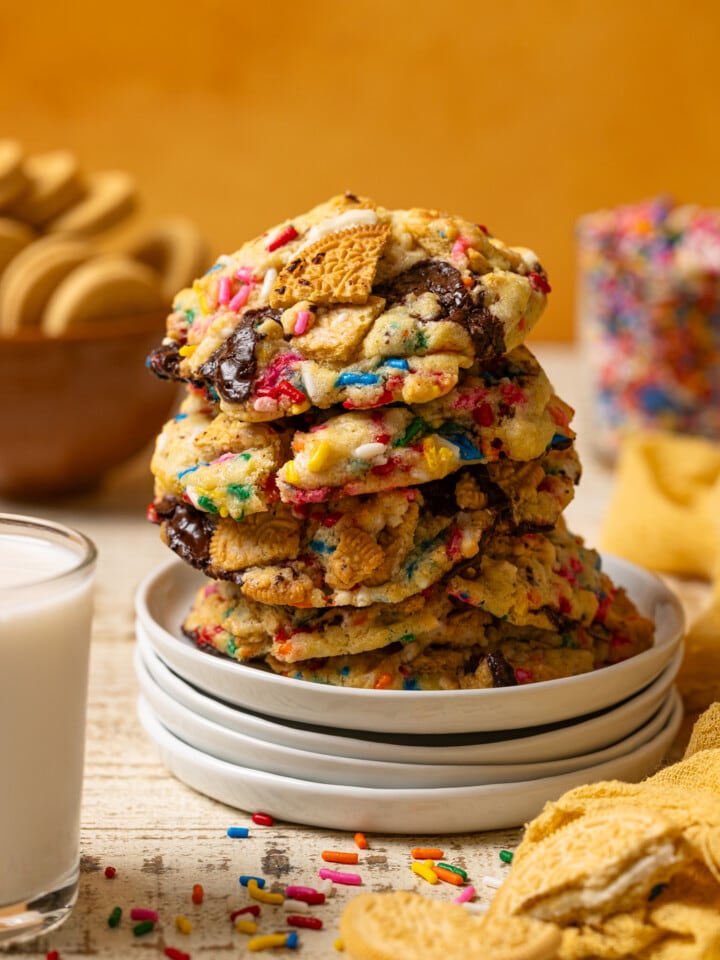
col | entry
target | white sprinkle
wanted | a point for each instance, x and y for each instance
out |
(265, 405)
(492, 882)
(476, 907)
(268, 280)
(295, 906)
(367, 451)
(351, 218)
(325, 886)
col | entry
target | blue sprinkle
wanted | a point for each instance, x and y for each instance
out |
(397, 362)
(319, 547)
(468, 450)
(238, 832)
(180, 416)
(560, 440)
(410, 683)
(344, 671)
(356, 379)
(244, 880)
(292, 940)
(184, 473)
(214, 267)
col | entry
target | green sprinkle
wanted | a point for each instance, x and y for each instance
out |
(205, 503)
(239, 490)
(420, 341)
(506, 856)
(231, 647)
(458, 870)
(415, 427)
(189, 315)
(144, 927)
(245, 456)
(407, 638)
(114, 918)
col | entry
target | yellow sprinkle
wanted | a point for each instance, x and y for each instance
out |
(445, 455)
(263, 896)
(424, 870)
(188, 350)
(246, 926)
(339, 945)
(299, 408)
(183, 925)
(269, 940)
(321, 455)
(291, 473)
(430, 452)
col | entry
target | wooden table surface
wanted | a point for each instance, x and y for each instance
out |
(161, 836)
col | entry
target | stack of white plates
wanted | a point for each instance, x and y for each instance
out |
(399, 761)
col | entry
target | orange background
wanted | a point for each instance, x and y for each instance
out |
(518, 115)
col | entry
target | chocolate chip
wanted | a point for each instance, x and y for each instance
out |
(502, 673)
(164, 361)
(231, 368)
(457, 305)
(186, 531)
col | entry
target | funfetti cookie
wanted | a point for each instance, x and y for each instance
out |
(103, 289)
(13, 180)
(30, 281)
(357, 548)
(54, 185)
(354, 304)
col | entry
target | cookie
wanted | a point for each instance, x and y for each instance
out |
(354, 304)
(406, 926)
(550, 580)
(14, 237)
(103, 289)
(376, 546)
(31, 279)
(360, 453)
(611, 865)
(13, 180)
(175, 249)
(108, 198)
(54, 185)
(223, 621)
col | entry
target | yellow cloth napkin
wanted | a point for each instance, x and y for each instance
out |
(611, 871)
(665, 515)
(628, 870)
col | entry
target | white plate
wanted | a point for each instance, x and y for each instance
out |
(238, 748)
(424, 811)
(498, 747)
(164, 598)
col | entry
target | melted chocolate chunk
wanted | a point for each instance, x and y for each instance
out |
(187, 531)
(446, 283)
(164, 361)
(231, 368)
(502, 673)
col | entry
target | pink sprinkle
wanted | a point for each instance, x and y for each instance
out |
(245, 274)
(225, 457)
(140, 913)
(224, 290)
(301, 322)
(523, 676)
(467, 893)
(459, 247)
(336, 876)
(241, 297)
(293, 892)
(265, 404)
(210, 590)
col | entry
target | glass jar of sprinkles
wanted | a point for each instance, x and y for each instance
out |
(648, 311)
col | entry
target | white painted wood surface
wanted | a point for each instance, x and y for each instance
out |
(163, 837)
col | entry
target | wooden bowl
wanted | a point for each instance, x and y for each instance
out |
(76, 406)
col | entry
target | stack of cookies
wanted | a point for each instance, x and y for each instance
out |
(371, 468)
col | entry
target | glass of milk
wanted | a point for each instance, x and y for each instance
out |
(46, 578)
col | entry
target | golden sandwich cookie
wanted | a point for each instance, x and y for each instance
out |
(13, 180)
(14, 237)
(103, 289)
(55, 184)
(30, 281)
(109, 197)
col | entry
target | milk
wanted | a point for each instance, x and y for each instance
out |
(45, 613)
